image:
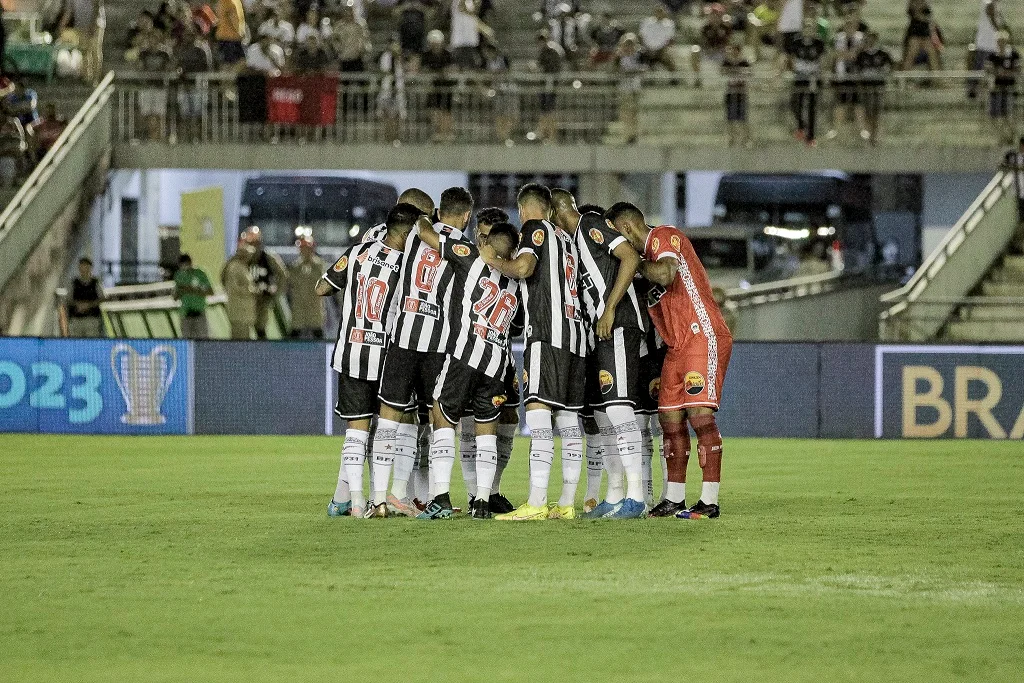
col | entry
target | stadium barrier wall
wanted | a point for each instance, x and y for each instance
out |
(773, 389)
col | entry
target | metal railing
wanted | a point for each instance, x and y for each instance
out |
(477, 108)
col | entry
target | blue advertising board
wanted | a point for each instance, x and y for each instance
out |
(68, 386)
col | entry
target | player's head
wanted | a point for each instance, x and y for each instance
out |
(418, 198)
(456, 207)
(592, 208)
(486, 219)
(503, 238)
(85, 268)
(184, 262)
(402, 218)
(534, 202)
(564, 210)
(629, 221)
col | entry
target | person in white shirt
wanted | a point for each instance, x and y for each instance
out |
(791, 22)
(265, 56)
(465, 34)
(313, 25)
(986, 39)
(278, 29)
(657, 34)
(847, 44)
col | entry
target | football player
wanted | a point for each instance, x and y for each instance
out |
(699, 346)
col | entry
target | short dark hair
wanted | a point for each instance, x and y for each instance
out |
(506, 231)
(85, 260)
(624, 210)
(492, 215)
(417, 197)
(183, 259)
(456, 201)
(591, 208)
(534, 192)
(403, 217)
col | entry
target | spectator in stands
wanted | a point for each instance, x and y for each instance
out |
(279, 29)
(90, 21)
(550, 61)
(874, 65)
(391, 100)
(605, 34)
(1004, 66)
(191, 287)
(715, 35)
(506, 100)
(269, 277)
(13, 146)
(312, 25)
(307, 307)
(737, 70)
(194, 58)
(412, 28)
(564, 28)
(265, 56)
(805, 56)
(351, 42)
(204, 18)
(230, 31)
(84, 318)
(630, 66)
(465, 34)
(990, 23)
(152, 53)
(47, 129)
(848, 43)
(1014, 163)
(922, 36)
(657, 36)
(310, 57)
(790, 24)
(22, 102)
(240, 289)
(437, 60)
(763, 26)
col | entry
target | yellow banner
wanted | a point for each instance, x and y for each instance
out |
(202, 230)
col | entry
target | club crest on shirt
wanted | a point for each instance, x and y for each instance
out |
(654, 388)
(655, 244)
(499, 401)
(674, 240)
(606, 380)
(342, 264)
(538, 237)
(597, 235)
(460, 250)
(694, 383)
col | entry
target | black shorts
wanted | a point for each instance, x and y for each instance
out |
(846, 92)
(357, 398)
(512, 385)
(650, 366)
(409, 377)
(1000, 103)
(613, 372)
(554, 377)
(462, 390)
(736, 107)
(871, 96)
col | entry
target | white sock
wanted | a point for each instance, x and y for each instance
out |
(568, 424)
(709, 492)
(506, 441)
(675, 492)
(629, 444)
(384, 444)
(421, 473)
(354, 456)
(442, 460)
(405, 459)
(486, 464)
(612, 461)
(595, 465)
(646, 457)
(542, 453)
(341, 493)
(467, 454)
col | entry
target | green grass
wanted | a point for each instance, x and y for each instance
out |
(211, 559)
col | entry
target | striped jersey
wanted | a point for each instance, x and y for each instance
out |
(597, 244)
(554, 314)
(369, 275)
(482, 309)
(376, 233)
(422, 323)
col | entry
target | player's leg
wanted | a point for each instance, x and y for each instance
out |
(568, 423)
(467, 456)
(444, 416)
(615, 493)
(396, 402)
(672, 399)
(420, 481)
(508, 428)
(595, 463)
(488, 399)
(357, 403)
(646, 457)
(400, 501)
(620, 358)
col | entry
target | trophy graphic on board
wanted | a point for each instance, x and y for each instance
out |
(143, 381)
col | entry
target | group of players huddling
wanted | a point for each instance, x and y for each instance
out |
(427, 321)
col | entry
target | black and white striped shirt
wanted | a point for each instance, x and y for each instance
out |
(376, 233)
(597, 243)
(554, 313)
(426, 287)
(369, 274)
(482, 309)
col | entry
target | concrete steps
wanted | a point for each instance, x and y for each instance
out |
(975, 331)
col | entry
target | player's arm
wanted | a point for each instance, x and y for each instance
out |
(519, 268)
(335, 279)
(427, 234)
(629, 262)
(661, 272)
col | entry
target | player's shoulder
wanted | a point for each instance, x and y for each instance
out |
(667, 237)
(536, 233)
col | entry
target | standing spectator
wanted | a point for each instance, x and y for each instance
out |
(922, 36)
(874, 65)
(412, 28)
(630, 67)
(437, 60)
(550, 60)
(307, 306)
(265, 56)
(465, 34)
(847, 45)
(191, 287)
(312, 26)
(805, 57)
(90, 23)
(763, 26)
(153, 52)
(391, 101)
(990, 23)
(351, 42)
(506, 92)
(241, 291)
(279, 29)
(14, 146)
(269, 277)
(790, 24)
(715, 35)
(309, 57)
(84, 317)
(230, 31)
(1014, 163)
(194, 59)
(605, 34)
(1005, 68)
(564, 28)
(657, 35)
(737, 70)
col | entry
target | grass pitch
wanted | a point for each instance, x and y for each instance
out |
(211, 559)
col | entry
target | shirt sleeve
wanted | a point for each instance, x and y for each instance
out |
(337, 275)
(532, 238)
(660, 245)
(460, 253)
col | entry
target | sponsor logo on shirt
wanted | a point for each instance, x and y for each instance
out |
(694, 383)
(367, 337)
(572, 312)
(655, 245)
(695, 328)
(526, 378)
(488, 334)
(417, 307)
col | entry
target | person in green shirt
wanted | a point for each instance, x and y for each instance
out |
(191, 287)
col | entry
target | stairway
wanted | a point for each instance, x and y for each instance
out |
(1002, 319)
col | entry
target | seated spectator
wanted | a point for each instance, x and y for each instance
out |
(630, 66)
(715, 35)
(279, 29)
(437, 60)
(194, 58)
(412, 27)
(605, 34)
(922, 37)
(265, 56)
(22, 102)
(229, 33)
(13, 146)
(1004, 66)
(47, 129)
(874, 65)
(657, 35)
(465, 34)
(737, 70)
(351, 41)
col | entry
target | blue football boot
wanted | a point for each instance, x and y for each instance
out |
(629, 509)
(339, 509)
(604, 509)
